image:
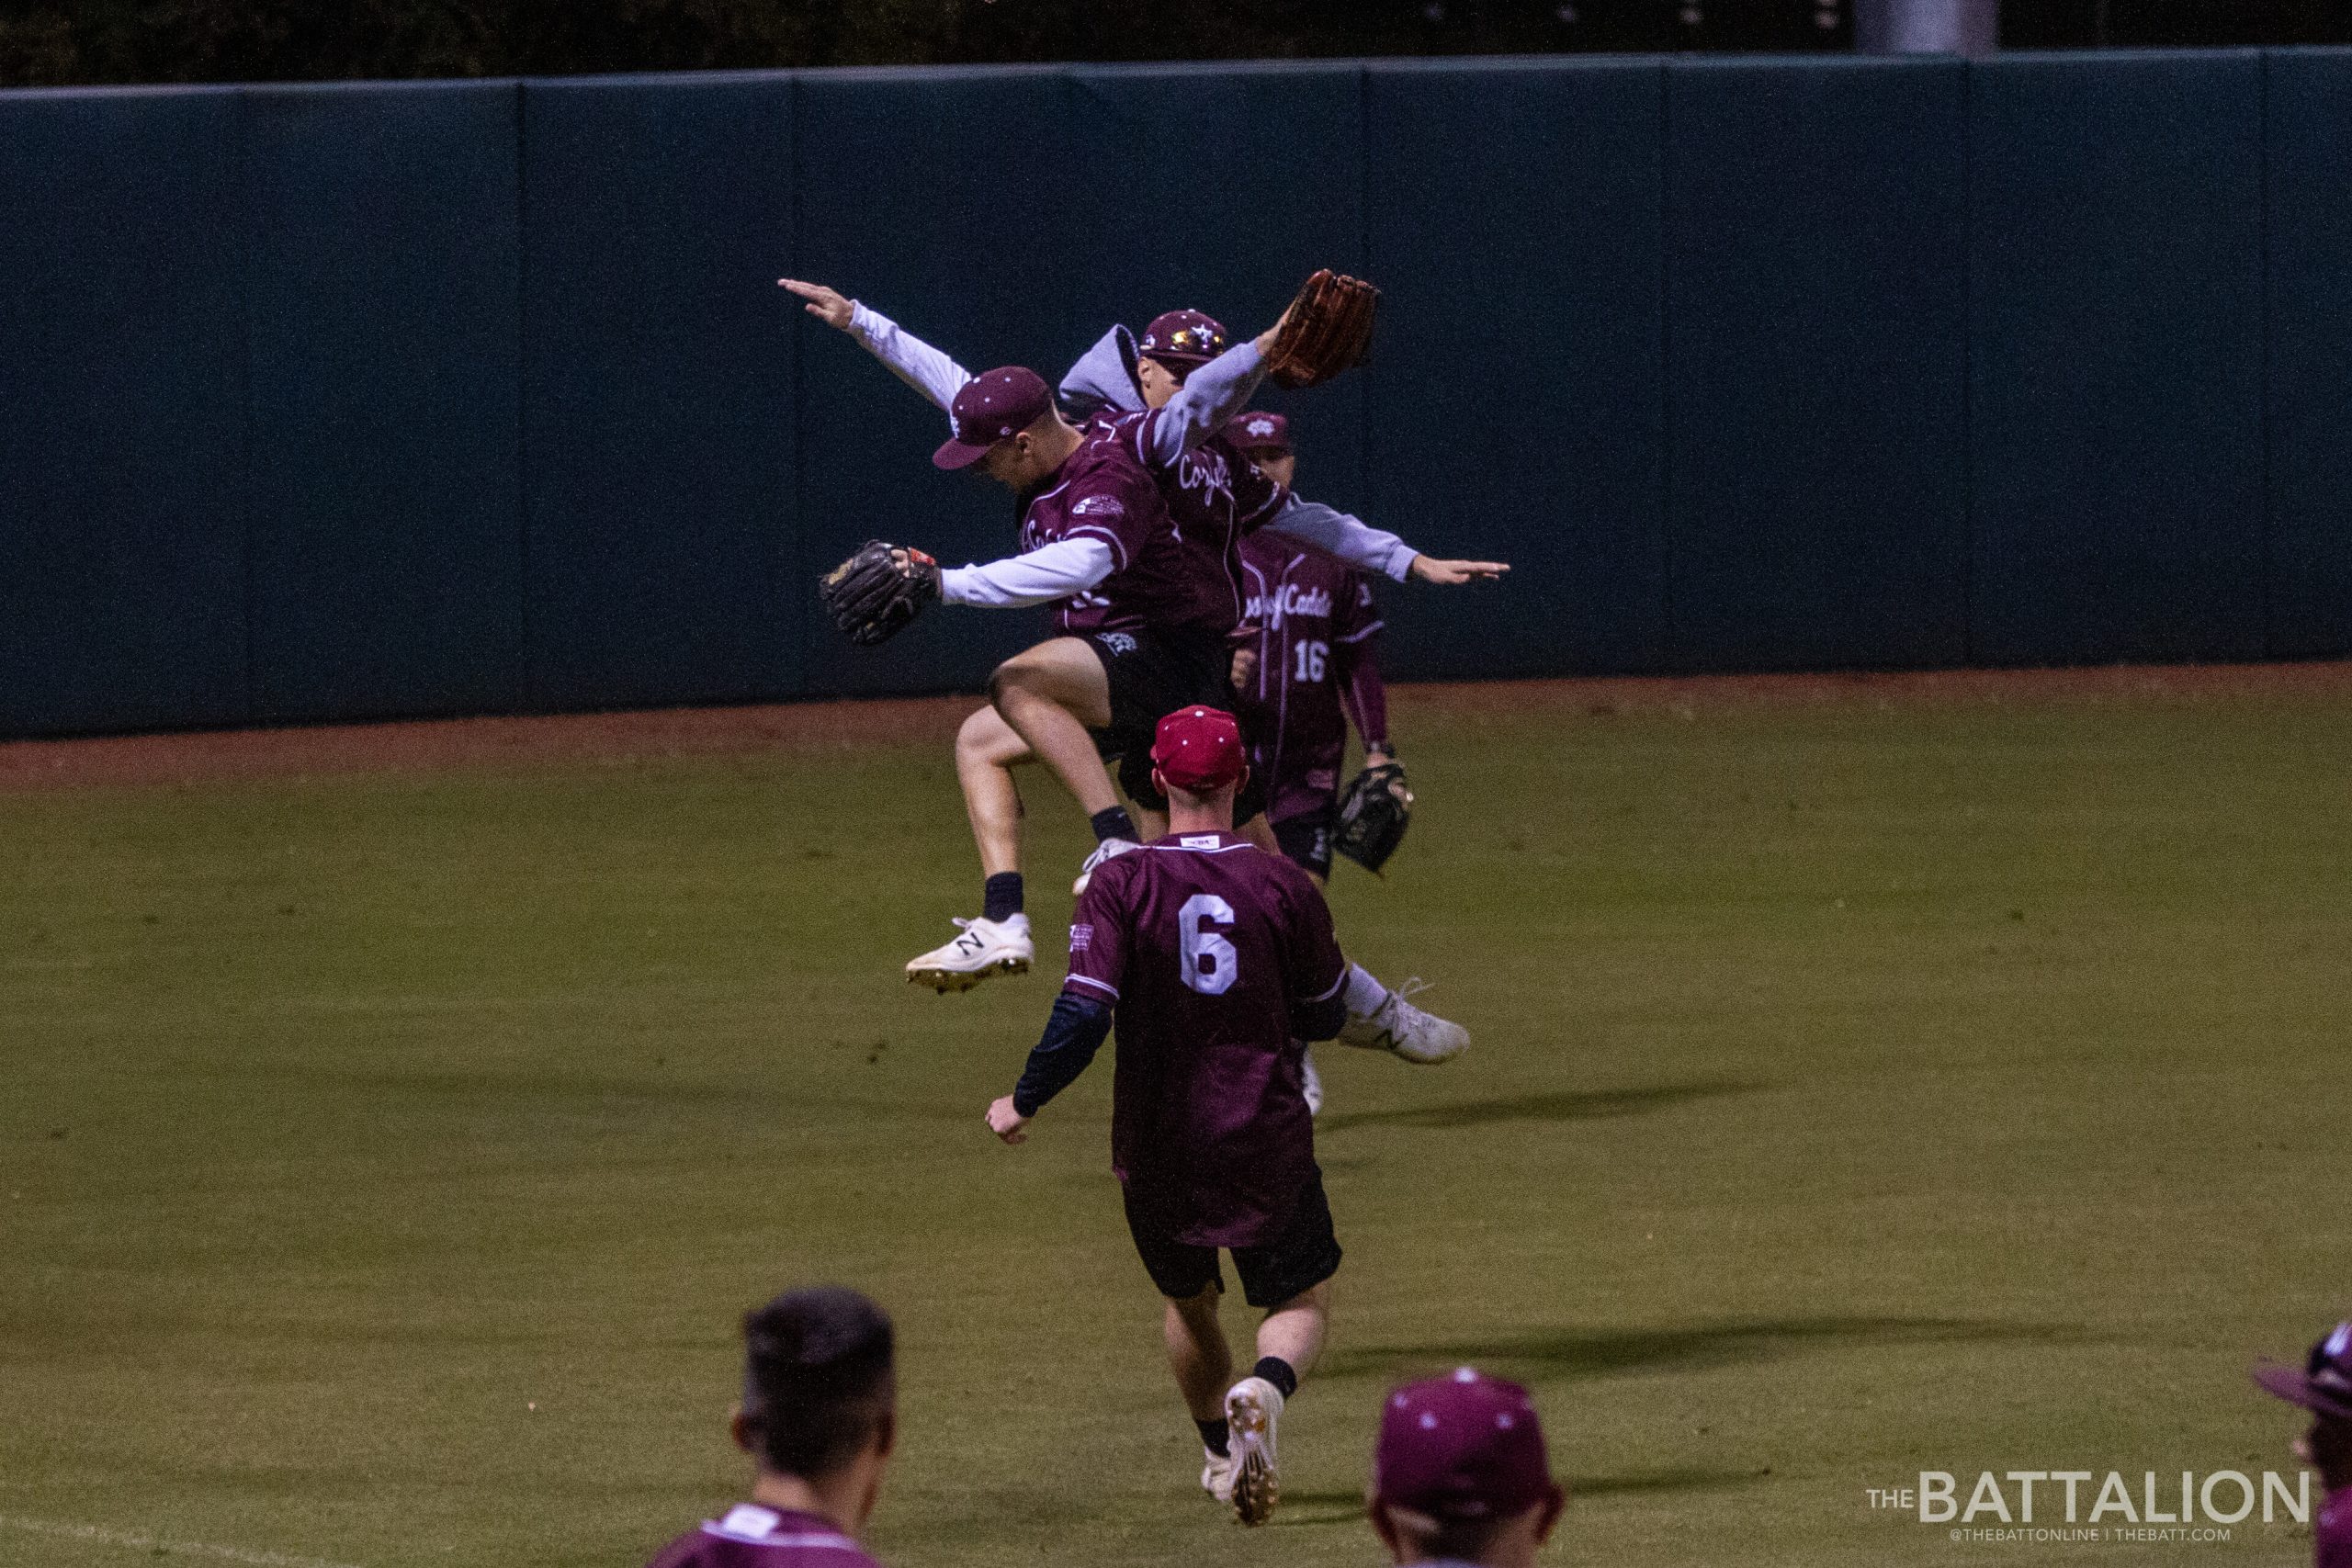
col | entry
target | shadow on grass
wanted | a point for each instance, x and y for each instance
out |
(1301, 1510)
(1567, 1105)
(1543, 1355)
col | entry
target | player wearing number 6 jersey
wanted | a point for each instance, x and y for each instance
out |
(1215, 960)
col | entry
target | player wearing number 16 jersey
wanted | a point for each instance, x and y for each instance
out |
(1215, 960)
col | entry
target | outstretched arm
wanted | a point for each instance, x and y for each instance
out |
(1039, 577)
(935, 374)
(1372, 549)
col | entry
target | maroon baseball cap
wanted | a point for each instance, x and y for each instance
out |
(1259, 432)
(1198, 749)
(2325, 1384)
(1183, 337)
(1005, 401)
(1465, 1446)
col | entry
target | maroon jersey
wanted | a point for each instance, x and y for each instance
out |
(1318, 641)
(1203, 943)
(1215, 496)
(1159, 579)
(754, 1537)
(2332, 1531)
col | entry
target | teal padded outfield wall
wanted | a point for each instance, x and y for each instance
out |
(365, 401)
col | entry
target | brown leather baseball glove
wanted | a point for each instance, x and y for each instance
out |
(1326, 329)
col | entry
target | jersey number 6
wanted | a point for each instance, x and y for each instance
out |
(1210, 963)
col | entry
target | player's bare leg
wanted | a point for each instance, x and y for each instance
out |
(1202, 1362)
(1296, 1330)
(997, 941)
(1292, 1336)
(1052, 695)
(986, 750)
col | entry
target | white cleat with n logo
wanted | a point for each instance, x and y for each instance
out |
(1398, 1027)
(986, 947)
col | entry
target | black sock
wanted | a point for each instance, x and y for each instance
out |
(1213, 1436)
(1000, 896)
(1112, 822)
(1277, 1370)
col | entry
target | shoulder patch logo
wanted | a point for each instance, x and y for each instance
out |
(1117, 642)
(1098, 505)
(1081, 938)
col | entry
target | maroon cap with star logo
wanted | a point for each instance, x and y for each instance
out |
(1005, 401)
(1185, 338)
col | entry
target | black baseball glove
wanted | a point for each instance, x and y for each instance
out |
(872, 595)
(1373, 814)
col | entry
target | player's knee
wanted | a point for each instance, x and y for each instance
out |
(975, 736)
(1013, 675)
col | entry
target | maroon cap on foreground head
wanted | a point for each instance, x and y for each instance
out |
(2325, 1385)
(1259, 432)
(990, 407)
(1465, 1446)
(1183, 337)
(1198, 749)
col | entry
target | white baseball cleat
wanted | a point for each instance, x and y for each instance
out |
(1397, 1026)
(1109, 849)
(1216, 1474)
(1252, 1408)
(1314, 1082)
(987, 947)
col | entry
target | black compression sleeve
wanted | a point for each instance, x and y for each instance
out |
(1319, 1020)
(1073, 1035)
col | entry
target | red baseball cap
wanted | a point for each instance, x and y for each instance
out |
(1259, 432)
(1005, 401)
(1465, 1446)
(1198, 749)
(1183, 337)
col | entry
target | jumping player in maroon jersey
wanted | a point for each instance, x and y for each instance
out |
(1136, 643)
(1216, 958)
(819, 1417)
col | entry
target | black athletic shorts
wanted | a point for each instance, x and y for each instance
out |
(1307, 840)
(1152, 674)
(1305, 1253)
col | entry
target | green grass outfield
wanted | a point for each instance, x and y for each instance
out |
(1948, 1079)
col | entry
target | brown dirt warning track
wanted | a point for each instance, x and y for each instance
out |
(428, 744)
